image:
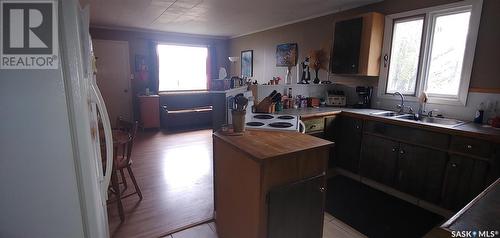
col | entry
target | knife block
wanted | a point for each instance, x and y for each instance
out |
(265, 107)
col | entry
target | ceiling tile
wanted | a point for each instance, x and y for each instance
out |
(210, 17)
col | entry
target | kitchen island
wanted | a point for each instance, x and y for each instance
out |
(269, 184)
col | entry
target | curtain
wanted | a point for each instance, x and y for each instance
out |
(212, 71)
(153, 82)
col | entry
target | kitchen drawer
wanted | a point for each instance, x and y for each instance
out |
(408, 134)
(316, 124)
(471, 146)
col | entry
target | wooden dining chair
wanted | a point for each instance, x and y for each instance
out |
(124, 159)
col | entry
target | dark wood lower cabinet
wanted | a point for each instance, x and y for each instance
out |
(411, 169)
(440, 168)
(379, 159)
(347, 136)
(296, 210)
(465, 178)
(420, 172)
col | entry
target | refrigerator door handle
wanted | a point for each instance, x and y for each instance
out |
(108, 135)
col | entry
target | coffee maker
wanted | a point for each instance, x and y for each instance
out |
(364, 97)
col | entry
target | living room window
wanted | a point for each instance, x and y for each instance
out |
(430, 50)
(182, 68)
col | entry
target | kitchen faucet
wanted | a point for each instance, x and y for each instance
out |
(401, 106)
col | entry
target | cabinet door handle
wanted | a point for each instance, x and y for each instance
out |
(468, 147)
(454, 165)
(394, 149)
(402, 151)
(322, 189)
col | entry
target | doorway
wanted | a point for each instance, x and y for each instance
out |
(113, 77)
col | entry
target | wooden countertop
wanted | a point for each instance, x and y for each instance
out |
(481, 214)
(263, 145)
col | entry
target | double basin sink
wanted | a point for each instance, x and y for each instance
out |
(448, 122)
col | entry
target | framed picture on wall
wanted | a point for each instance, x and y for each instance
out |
(286, 55)
(247, 63)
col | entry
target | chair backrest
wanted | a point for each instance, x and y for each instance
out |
(131, 128)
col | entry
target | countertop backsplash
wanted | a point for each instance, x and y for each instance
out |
(306, 90)
(466, 112)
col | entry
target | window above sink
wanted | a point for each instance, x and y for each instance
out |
(430, 50)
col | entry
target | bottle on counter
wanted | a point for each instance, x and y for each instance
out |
(279, 106)
(478, 118)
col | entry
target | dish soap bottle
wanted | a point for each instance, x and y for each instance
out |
(478, 118)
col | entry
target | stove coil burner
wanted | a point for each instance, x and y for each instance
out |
(263, 116)
(286, 117)
(254, 123)
(281, 124)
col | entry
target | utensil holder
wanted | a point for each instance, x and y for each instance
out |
(238, 120)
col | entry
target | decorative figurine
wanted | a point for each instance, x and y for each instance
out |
(306, 75)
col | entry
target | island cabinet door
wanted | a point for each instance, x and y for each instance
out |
(297, 210)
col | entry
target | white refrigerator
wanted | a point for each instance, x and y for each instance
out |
(51, 179)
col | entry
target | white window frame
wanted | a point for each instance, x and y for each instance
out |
(430, 14)
(158, 62)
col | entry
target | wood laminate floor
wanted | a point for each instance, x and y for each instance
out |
(174, 172)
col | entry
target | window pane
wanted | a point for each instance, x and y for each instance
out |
(405, 52)
(182, 67)
(447, 53)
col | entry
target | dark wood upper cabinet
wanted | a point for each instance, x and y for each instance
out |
(347, 42)
(357, 45)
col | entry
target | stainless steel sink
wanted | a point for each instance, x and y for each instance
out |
(448, 122)
(442, 121)
(433, 120)
(407, 117)
(386, 114)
